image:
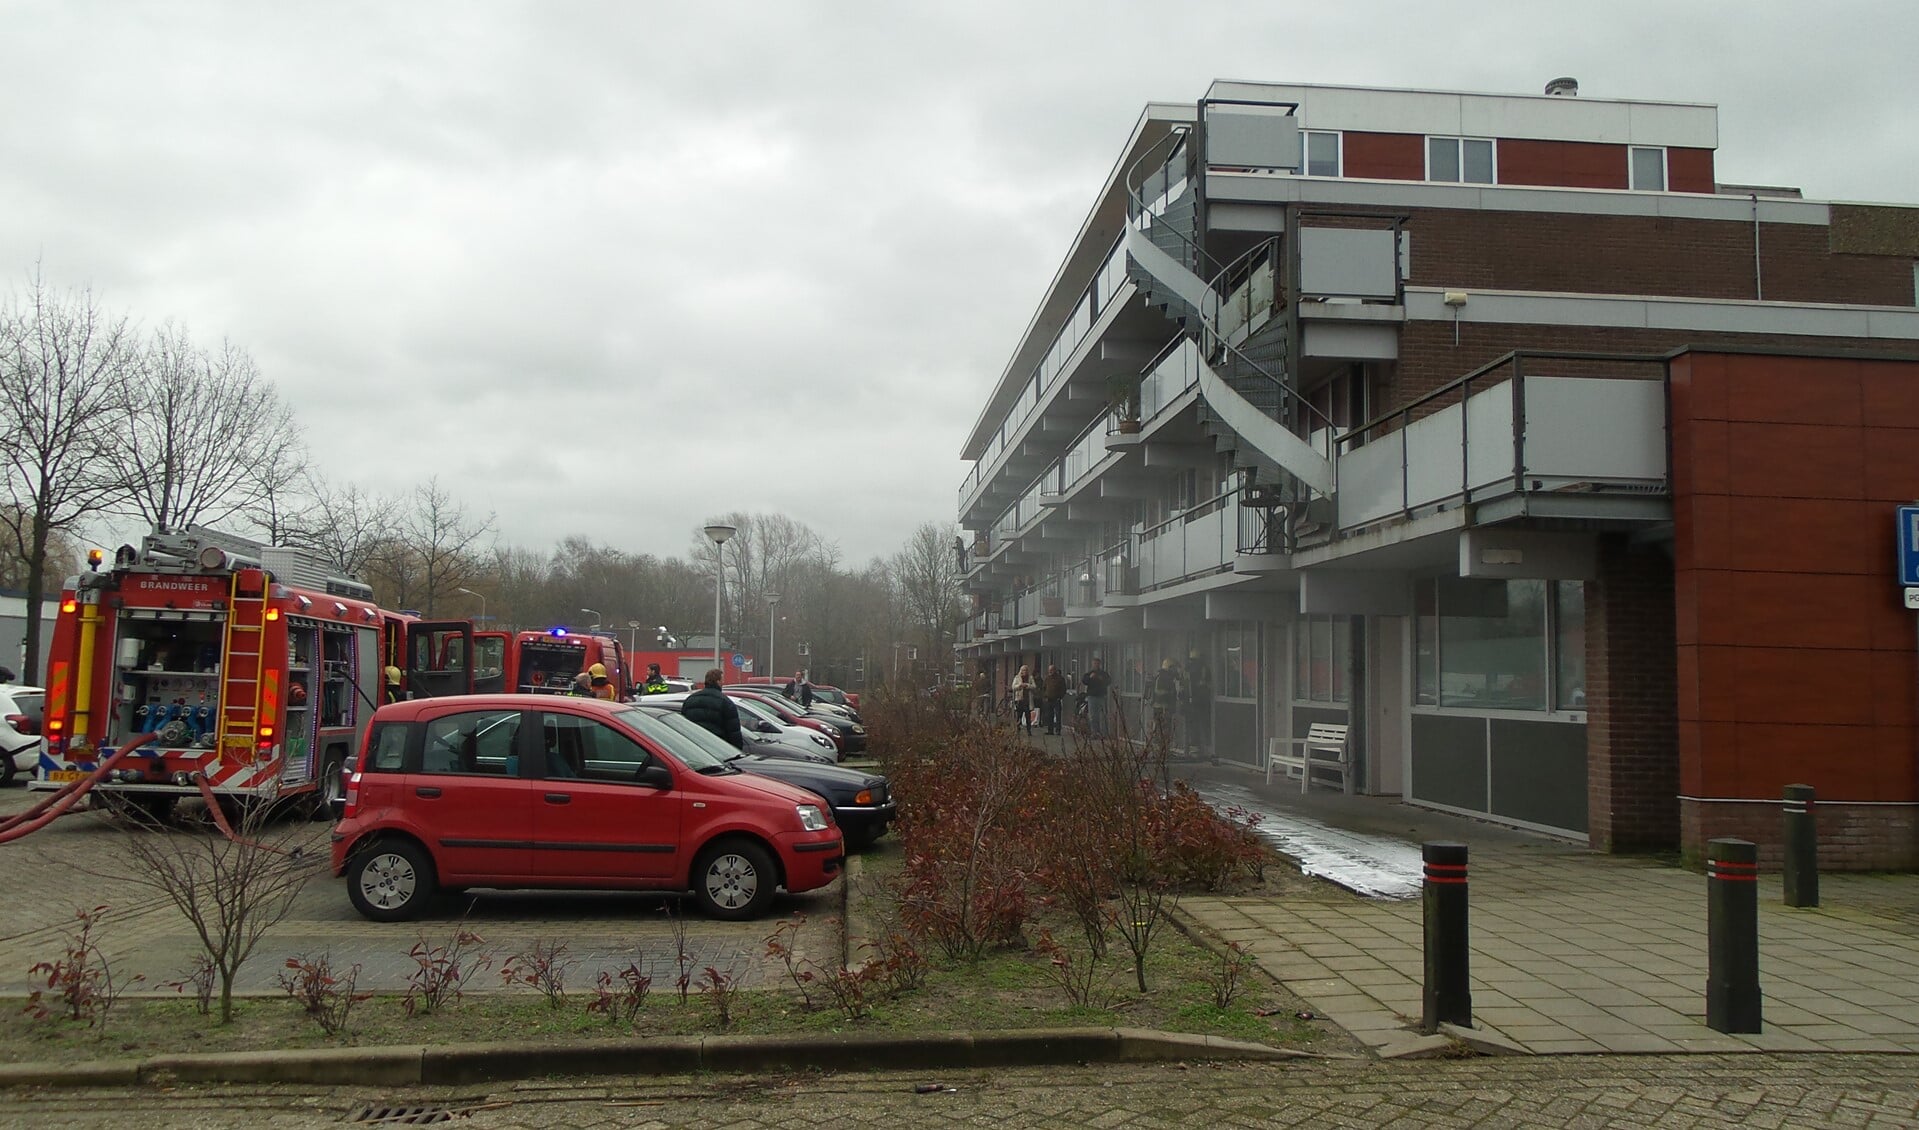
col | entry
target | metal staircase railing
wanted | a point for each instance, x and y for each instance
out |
(1245, 369)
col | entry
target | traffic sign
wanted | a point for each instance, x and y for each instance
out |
(739, 659)
(1912, 598)
(1909, 545)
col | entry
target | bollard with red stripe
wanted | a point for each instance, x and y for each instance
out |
(1732, 936)
(1448, 996)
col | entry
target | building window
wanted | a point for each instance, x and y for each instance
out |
(1322, 652)
(1239, 669)
(1648, 169)
(1467, 160)
(1500, 645)
(1322, 153)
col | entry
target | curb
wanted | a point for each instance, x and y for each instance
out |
(454, 1064)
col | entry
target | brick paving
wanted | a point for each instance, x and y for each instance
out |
(1579, 952)
(1707, 1091)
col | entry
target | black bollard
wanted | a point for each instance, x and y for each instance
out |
(1732, 936)
(1802, 848)
(1448, 995)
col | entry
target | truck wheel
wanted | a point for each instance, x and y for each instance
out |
(7, 770)
(734, 880)
(390, 881)
(330, 796)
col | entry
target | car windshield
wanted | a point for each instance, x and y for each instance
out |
(836, 697)
(694, 750)
(699, 735)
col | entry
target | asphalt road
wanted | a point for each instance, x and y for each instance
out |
(1757, 1090)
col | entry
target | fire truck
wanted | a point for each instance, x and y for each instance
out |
(255, 672)
(448, 657)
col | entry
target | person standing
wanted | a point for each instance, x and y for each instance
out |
(710, 708)
(1097, 683)
(598, 685)
(1025, 690)
(804, 687)
(1052, 694)
(1166, 690)
(655, 682)
(1199, 704)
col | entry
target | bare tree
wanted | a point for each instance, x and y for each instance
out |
(435, 549)
(62, 556)
(926, 578)
(64, 372)
(232, 890)
(206, 435)
(346, 522)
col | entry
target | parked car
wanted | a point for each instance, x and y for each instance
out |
(765, 734)
(862, 802)
(20, 711)
(851, 735)
(833, 696)
(544, 791)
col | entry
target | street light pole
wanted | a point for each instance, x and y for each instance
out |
(719, 533)
(772, 602)
(595, 613)
(480, 598)
(633, 635)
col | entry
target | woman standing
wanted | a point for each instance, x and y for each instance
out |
(1025, 690)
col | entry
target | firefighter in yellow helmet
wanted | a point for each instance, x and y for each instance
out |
(597, 684)
(394, 691)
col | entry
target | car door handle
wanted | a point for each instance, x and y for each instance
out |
(426, 791)
(559, 798)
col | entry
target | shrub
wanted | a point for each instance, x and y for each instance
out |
(327, 996)
(441, 970)
(80, 981)
(621, 1001)
(543, 966)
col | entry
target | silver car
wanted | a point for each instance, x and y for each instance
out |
(20, 711)
(765, 734)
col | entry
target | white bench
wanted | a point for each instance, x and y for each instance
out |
(1323, 751)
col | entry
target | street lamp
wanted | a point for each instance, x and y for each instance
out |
(633, 635)
(595, 613)
(478, 597)
(772, 601)
(719, 533)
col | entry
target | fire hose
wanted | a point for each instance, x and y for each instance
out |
(219, 814)
(46, 811)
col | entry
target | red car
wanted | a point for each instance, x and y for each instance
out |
(550, 791)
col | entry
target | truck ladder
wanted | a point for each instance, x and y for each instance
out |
(240, 665)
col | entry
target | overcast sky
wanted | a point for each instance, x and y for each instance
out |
(611, 268)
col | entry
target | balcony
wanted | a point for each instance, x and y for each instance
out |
(1514, 444)
(1204, 539)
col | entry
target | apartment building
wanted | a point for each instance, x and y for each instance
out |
(1492, 427)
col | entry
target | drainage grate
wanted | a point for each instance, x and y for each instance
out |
(404, 1115)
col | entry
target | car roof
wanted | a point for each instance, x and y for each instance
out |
(553, 703)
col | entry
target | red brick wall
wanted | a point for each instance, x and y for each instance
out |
(1795, 655)
(1852, 837)
(1657, 255)
(1632, 767)
(1573, 164)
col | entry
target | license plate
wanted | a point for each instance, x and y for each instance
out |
(68, 774)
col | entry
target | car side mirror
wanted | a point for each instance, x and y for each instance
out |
(654, 776)
(765, 727)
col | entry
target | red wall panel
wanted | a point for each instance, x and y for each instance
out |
(1568, 164)
(1383, 156)
(1795, 655)
(1690, 170)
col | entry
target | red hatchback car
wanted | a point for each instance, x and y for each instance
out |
(548, 791)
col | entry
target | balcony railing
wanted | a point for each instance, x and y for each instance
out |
(1501, 431)
(1201, 540)
(1086, 312)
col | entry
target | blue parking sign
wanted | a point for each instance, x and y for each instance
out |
(739, 658)
(1909, 545)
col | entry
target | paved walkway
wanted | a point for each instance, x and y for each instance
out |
(1574, 951)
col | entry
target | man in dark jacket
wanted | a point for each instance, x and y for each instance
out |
(710, 708)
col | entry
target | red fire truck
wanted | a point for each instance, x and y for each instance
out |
(448, 657)
(255, 671)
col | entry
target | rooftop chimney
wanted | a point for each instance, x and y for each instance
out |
(1563, 87)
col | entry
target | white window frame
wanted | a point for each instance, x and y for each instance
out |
(1459, 151)
(1306, 151)
(1665, 170)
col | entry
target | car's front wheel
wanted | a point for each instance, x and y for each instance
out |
(390, 881)
(734, 879)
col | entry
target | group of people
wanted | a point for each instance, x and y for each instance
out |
(1045, 698)
(1173, 692)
